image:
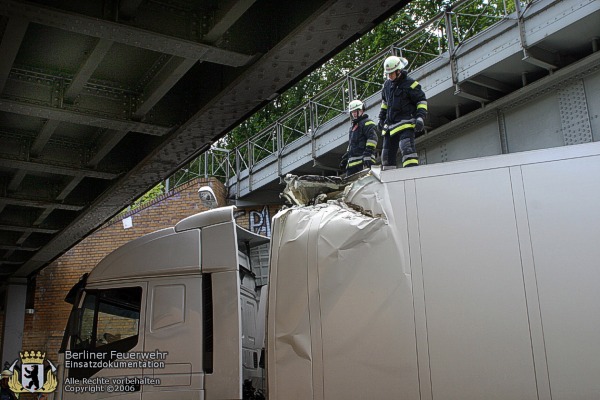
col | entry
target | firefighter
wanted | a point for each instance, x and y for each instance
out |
(402, 115)
(5, 392)
(362, 140)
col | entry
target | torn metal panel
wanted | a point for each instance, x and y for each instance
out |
(360, 193)
(325, 340)
(303, 190)
(314, 189)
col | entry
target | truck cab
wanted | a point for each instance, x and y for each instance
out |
(173, 314)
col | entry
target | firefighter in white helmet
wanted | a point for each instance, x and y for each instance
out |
(362, 140)
(402, 115)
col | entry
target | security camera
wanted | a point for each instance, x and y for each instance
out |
(207, 197)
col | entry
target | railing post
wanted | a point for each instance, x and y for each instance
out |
(451, 49)
(279, 148)
(351, 91)
(250, 145)
(227, 165)
(521, 23)
(199, 167)
(311, 116)
(313, 143)
(306, 121)
(250, 163)
(237, 172)
(206, 155)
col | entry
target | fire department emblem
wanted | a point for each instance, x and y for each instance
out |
(32, 374)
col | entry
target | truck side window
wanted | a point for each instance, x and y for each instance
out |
(107, 320)
(107, 316)
(82, 338)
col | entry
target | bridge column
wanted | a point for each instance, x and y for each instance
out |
(14, 319)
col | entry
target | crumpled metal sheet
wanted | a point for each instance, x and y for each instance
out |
(340, 315)
(303, 190)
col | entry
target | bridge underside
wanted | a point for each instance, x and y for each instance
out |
(101, 100)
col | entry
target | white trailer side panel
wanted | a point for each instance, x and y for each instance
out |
(564, 220)
(477, 324)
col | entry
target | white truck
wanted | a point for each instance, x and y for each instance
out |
(475, 279)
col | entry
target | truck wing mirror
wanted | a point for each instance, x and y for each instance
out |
(72, 296)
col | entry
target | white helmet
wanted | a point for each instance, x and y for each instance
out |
(393, 63)
(355, 105)
(6, 374)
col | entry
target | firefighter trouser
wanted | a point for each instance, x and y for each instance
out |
(406, 142)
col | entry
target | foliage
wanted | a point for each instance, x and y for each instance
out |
(150, 195)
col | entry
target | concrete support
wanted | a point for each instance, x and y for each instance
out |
(14, 319)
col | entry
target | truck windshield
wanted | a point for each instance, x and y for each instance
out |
(108, 318)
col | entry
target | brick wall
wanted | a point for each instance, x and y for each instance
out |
(44, 329)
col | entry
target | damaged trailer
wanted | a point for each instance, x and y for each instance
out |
(467, 280)
(475, 279)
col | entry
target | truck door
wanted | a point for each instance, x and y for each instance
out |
(106, 329)
(174, 323)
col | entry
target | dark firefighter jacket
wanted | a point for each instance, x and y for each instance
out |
(402, 102)
(362, 140)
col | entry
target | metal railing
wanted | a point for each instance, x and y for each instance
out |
(442, 34)
(216, 162)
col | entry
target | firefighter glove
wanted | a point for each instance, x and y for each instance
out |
(344, 161)
(419, 125)
(367, 162)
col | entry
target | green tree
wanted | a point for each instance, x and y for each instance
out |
(150, 195)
